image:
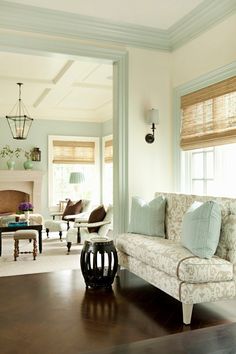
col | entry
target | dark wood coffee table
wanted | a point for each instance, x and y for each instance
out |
(15, 228)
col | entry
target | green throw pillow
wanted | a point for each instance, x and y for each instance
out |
(148, 218)
(201, 228)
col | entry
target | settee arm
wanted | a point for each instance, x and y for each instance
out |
(92, 224)
(77, 217)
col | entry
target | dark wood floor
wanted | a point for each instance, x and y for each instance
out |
(53, 313)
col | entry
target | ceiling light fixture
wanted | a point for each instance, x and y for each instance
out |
(20, 122)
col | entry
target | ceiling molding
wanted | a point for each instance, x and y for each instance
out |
(58, 23)
(204, 16)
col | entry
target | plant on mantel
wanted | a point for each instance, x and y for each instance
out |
(11, 153)
(28, 165)
(7, 151)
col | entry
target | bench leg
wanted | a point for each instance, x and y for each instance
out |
(60, 234)
(35, 249)
(16, 249)
(68, 247)
(187, 313)
(47, 232)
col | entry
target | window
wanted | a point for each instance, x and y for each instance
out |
(107, 170)
(207, 131)
(200, 167)
(210, 171)
(73, 154)
(209, 116)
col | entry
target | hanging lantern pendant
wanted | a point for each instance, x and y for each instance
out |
(20, 122)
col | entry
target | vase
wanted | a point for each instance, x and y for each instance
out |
(26, 215)
(10, 164)
(28, 165)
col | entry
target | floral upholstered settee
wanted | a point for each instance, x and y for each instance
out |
(166, 264)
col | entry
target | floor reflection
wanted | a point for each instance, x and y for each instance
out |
(99, 305)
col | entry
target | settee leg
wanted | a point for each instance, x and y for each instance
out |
(68, 247)
(187, 313)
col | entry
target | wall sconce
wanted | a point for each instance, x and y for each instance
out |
(36, 154)
(152, 118)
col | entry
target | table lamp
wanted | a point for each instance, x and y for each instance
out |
(76, 178)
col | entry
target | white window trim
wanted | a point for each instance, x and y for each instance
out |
(104, 140)
(51, 138)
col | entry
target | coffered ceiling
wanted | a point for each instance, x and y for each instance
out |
(56, 87)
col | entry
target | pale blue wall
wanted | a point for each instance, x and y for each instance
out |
(38, 137)
(107, 127)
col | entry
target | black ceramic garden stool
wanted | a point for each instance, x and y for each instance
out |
(99, 262)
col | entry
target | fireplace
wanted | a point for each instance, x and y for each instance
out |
(17, 185)
(10, 200)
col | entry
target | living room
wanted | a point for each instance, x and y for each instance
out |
(153, 68)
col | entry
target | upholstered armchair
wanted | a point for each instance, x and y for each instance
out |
(85, 230)
(68, 216)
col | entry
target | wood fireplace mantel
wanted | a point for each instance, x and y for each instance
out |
(26, 181)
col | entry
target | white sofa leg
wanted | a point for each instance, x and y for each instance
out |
(187, 313)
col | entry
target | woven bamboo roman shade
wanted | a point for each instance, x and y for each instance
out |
(108, 152)
(73, 152)
(209, 116)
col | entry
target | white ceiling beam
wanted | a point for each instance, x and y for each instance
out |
(92, 86)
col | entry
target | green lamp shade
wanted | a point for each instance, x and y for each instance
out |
(76, 177)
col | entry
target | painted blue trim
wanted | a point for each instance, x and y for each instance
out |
(34, 19)
(202, 81)
(203, 17)
(22, 43)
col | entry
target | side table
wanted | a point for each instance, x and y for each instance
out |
(99, 262)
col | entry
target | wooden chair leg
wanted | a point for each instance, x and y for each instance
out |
(16, 249)
(35, 249)
(68, 247)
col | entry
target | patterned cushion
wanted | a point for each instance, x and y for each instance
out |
(178, 204)
(189, 293)
(173, 259)
(227, 245)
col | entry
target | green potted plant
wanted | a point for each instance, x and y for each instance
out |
(28, 165)
(10, 153)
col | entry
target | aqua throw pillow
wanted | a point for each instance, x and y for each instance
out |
(148, 218)
(201, 228)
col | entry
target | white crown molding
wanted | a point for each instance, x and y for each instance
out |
(39, 20)
(203, 17)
